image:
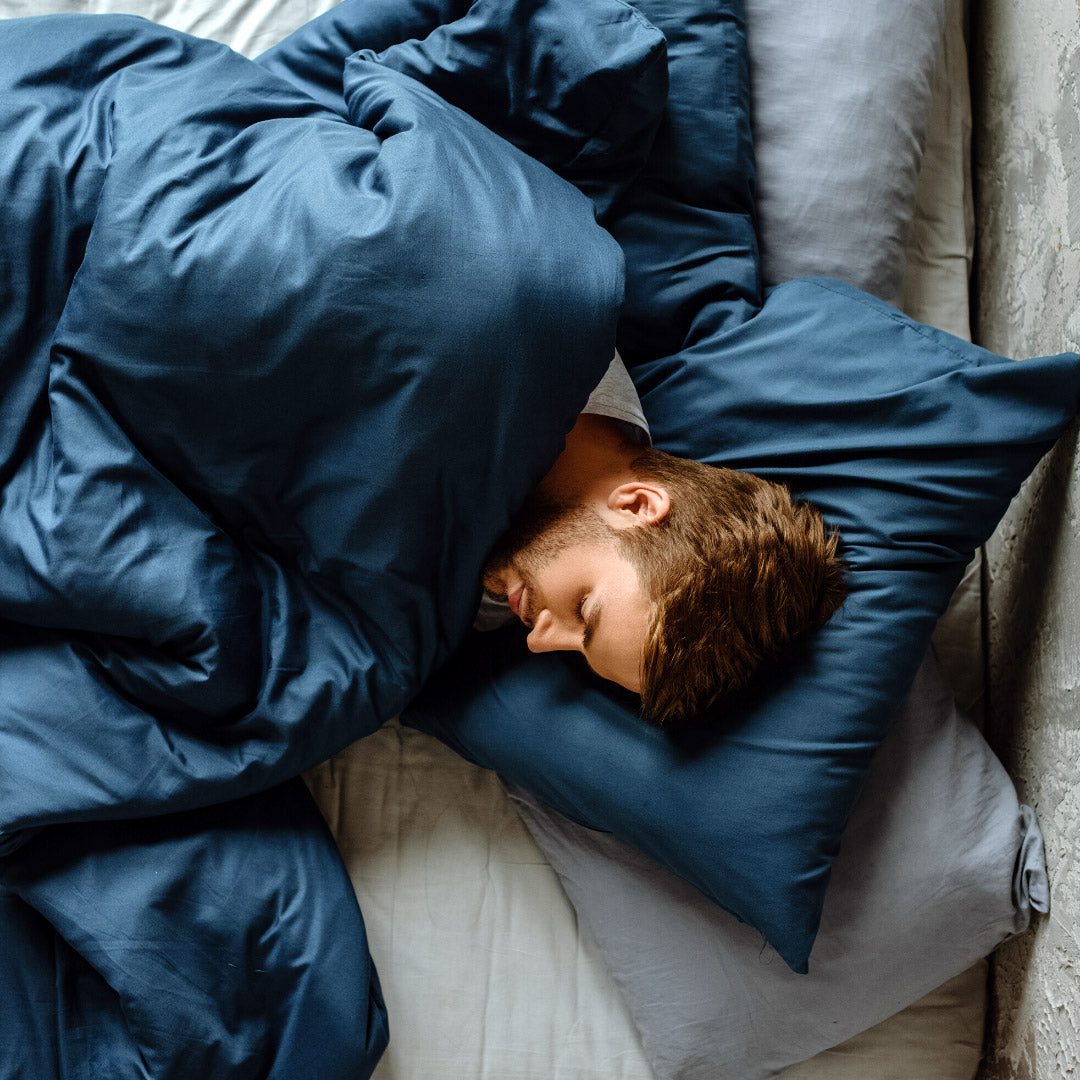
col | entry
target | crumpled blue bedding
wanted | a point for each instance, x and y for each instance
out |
(276, 371)
(910, 441)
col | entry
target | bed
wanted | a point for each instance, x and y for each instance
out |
(486, 928)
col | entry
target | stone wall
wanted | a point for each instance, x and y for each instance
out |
(1026, 74)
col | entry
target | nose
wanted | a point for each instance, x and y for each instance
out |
(550, 635)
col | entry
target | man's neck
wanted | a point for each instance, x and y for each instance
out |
(596, 458)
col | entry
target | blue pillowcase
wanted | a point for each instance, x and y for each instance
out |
(912, 442)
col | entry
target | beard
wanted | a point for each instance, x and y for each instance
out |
(541, 529)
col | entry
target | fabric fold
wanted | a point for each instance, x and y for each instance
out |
(1031, 883)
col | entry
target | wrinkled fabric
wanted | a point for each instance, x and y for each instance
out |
(276, 374)
(911, 441)
(239, 511)
(221, 942)
(940, 863)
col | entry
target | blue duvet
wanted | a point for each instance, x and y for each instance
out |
(277, 366)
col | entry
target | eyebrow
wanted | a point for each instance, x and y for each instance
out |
(591, 621)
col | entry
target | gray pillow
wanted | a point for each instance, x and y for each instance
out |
(841, 93)
(939, 864)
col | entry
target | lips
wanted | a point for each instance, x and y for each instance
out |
(514, 600)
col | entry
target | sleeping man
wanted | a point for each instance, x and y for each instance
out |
(677, 580)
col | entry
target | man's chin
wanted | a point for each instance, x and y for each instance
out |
(494, 584)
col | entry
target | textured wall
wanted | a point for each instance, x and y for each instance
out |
(1026, 61)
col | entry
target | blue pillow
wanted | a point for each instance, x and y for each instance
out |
(912, 442)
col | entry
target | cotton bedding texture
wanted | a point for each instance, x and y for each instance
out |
(247, 307)
(240, 523)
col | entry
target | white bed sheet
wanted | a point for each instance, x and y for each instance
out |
(483, 968)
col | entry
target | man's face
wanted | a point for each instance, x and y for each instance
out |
(566, 579)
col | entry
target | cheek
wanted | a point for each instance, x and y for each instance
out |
(623, 676)
(619, 658)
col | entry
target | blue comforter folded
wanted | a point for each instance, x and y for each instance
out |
(275, 373)
(259, 359)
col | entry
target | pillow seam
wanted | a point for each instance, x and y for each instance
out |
(897, 317)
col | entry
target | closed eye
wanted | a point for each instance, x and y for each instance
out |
(591, 620)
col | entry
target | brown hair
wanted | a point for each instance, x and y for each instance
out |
(736, 571)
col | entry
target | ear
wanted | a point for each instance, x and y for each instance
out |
(637, 503)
